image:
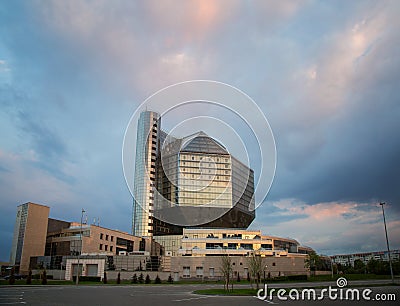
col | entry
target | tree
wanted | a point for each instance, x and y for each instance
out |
(141, 278)
(134, 279)
(226, 270)
(170, 280)
(157, 280)
(11, 280)
(256, 267)
(105, 277)
(359, 266)
(119, 278)
(312, 261)
(44, 277)
(148, 280)
(29, 278)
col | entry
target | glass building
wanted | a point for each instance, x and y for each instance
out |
(187, 182)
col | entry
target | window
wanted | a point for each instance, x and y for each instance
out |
(111, 248)
(107, 237)
(199, 271)
(173, 243)
(186, 271)
(211, 272)
(101, 247)
(106, 248)
(273, 264)
(101, 236)
(112, 238)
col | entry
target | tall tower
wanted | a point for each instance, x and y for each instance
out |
(145, 173)
(30, 231)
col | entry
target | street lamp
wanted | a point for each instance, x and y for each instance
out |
(387, 240)
(79, 253)
(265, 268)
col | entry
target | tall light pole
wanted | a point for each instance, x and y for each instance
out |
(80, 251)
(387, 240)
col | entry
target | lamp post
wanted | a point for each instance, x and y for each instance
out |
(265, 268)
(387, 240)
(80, 251)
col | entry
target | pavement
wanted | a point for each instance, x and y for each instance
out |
(167, 295)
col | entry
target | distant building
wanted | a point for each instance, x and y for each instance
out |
(30, 231)
(349, 259)
(43, 241)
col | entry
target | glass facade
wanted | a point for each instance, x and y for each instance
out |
(19, 233)
(145, 173)
(175, 177)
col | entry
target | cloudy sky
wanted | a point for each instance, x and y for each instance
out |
(325, 73)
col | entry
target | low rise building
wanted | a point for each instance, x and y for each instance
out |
(349, 259)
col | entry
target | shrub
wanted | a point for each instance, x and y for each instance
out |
(105, 277)
(148, 280)
(297, 277)
(134, 279)
(11, 280)
(170, 280)
(157, 280)
(141, 278)
(29, 278)
(44, 278)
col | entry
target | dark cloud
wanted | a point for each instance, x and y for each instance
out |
(324, 73)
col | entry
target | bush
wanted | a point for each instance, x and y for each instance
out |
(157, 280)
(148, 280)
(141, 278)
(170, 280)
(29, 278)
(105, 277)
(119, 278)
(297, 277)
(44, 278)
(87, 278)
(11, 280)
(134, 279)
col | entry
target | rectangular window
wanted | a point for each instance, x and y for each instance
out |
(199, 271)
(107, 237)
(106, 248)
(101, 236)
(186, 271)
(111, 248)
(112, 238)
(101, 247)
(211, 272)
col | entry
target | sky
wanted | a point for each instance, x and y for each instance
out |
(325, 74)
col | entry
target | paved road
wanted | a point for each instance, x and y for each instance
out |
(166, 295)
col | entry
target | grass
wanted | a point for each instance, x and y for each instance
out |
(320, 278)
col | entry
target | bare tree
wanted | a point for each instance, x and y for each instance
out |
(226, 270)
(256, 267)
